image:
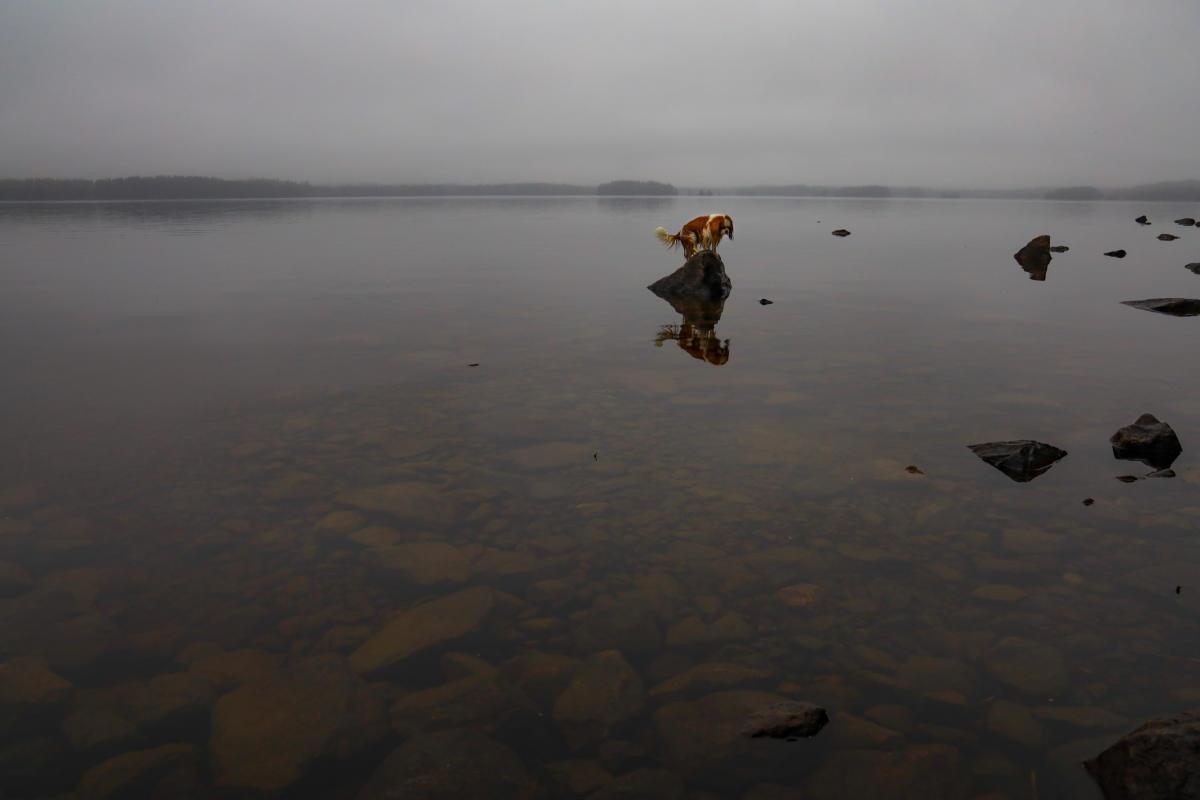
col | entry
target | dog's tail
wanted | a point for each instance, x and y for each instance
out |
(669, 239)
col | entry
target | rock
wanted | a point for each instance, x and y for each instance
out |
(710, 677)
(800, 595)
(1059, 248)
(703, 275)
(1035, 257)
(1116, 253)
(541, 675)
(1000, 593)
(551, 455)
(1167, 237)
(134, 774)
(484, 698)
(340, 522)
(426, 625)
(579, 775)
(97, 728)
(1081, 716)
(848, 731)
(1194, 267)
(1185, 221)
(29, 682)
(264, 734)
(765, 302)
(14, 579)
(1022, 459)
(227, 670)
(409, 501)
(1142, 220)
(1147, 440)
(842, 232)
(605, 690)
(450, 765)
(1156, 760)
(626, 623)
(1161, 473)
(424, 563)
(692, 631)
(701, 733)
(1031, 667)
(786, 720)
(926, 771)
(644, 784)
(1015, 723)
(1175, 306)
(943, 679)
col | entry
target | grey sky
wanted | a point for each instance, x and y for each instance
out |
(954, 93)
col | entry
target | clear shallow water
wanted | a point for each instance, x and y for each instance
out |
(241, 437)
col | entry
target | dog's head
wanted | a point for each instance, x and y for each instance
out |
(727, 227)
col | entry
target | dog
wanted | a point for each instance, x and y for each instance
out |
(702, 233)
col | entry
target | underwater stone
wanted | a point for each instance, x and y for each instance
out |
(1156, 760)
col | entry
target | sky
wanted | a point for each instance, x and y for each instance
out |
(968, 93)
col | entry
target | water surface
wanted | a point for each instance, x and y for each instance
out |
(241, 437)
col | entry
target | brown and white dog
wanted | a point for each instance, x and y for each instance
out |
(702, 233)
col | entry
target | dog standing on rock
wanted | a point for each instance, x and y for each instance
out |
(702, 233)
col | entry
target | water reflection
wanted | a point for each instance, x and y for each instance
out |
(696, 334)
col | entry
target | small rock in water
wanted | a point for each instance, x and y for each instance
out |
(1059, 248)
(1128, 478)
(841, 232)
(476, 364)
(1022, 460)
(765, 302)
(1178, 589)
(1157, 759)
(1142, 220)
(1175, 306)
(786, 720)
(1167, 237)
(1087, 501)
(1035, 257)
(1194, 267)
(1147, 440)
(1185, 221)
(913, 469)
(1162, 473)
(1116, 253)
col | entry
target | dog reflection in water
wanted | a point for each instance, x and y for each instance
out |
(697, 333)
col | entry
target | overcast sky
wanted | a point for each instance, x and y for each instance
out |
(955, 93)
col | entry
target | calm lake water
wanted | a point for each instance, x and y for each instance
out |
(337, 498)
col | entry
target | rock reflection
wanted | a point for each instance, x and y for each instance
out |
(1174, 306)
(696, 334)
(1035, 257)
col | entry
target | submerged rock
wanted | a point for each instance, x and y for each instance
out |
(1031, 667)
(1142, 220)
(448, 766)
(29, 682)
(702, 275)
(1059, 248)
(410, 501)
(1116, 253)
(605, 690)
(702, 733)
(1175, 306)
(1156, 760)
(1194, 267)
(643, 784)
(422, 626)
(1147, 440)
(1167, 237)
(134, 774)
(786, 720)
(1020, 459)
(1185, 221)
(264, 734)
(841, 232)
(1035, 257)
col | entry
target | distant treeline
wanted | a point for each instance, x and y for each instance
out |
(187, 187)
(637, 187)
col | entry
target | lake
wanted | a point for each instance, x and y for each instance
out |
(433, 497)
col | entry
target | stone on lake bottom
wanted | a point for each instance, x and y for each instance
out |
(451, 765)
(414, 629)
